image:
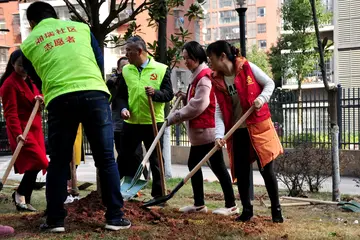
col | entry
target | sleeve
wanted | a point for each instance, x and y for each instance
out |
(123, 94)
(165, 94)
(10, 110)
(219, 123)
(98, 53)
(265, 81)
(195, 106)
(112, 86)
(30, 70)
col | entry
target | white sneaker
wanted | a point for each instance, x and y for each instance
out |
(69, 199)
(191, 209)
(227, 211)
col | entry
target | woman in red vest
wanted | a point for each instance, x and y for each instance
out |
(18, 97)
(199, 112)
(238, 85)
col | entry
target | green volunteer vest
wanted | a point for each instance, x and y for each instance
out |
(62, 56)
(152, 75)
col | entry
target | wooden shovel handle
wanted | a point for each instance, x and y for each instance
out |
(158, 146)
(21, 143)
(216, 148)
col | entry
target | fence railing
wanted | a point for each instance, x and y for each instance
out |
(297, 116)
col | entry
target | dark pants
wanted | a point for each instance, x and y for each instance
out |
(134, 134)
(65, 112)
(217, 165)
(241, 148)
(138, 155)
(27, 184)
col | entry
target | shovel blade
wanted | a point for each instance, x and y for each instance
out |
(157, 201)
(130, 189)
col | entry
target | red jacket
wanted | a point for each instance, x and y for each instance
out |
(262, 133)
(207, 118)
(18, 103)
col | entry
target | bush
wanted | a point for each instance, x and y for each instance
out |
(308, 165)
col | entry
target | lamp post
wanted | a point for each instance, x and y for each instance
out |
(241, 7)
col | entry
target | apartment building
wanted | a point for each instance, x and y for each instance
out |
(262, 22)
(9, 38)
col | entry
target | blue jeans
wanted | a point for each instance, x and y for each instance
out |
(65, 112)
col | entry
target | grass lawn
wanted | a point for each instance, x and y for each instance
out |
(302, 222)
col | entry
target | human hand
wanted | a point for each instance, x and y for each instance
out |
(20, 138)
(258, 103)
(125, 114)
(39, 98)
(220, 143)
(150, 91)
(180, 94)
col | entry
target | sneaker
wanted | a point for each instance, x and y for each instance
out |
(122, 224)
(227, 211)
(52, 228)
(6, 231)
(246, 215)
(69, 199)
(276, 215)
(191, 209)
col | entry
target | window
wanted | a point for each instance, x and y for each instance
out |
(206, 5)
(251, 42)
(262, 44)
(261, 11)
(261, 28)
(251, 14)
(215, 34)
(207, 19)
(226, 3)
(3, 55)
(214, 18)
(2, 20)
(179, 21)
(251, 30)
(208, 34)
(214, 4)
(250, 2)
(228, 33)
(228, 17)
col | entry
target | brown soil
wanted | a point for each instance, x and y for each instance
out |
(87, 215)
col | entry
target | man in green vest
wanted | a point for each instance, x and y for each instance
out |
(67, 59)
(143, 77)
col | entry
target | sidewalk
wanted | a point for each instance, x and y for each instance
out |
(86, 173)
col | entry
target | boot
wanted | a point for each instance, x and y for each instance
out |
(276, 215)
(246, 215)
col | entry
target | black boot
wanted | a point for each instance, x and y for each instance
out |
(276, 215)
(246, 215)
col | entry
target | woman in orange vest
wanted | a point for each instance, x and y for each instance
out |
(199, 112)
(239, 84)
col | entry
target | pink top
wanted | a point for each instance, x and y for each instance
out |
(194, 107)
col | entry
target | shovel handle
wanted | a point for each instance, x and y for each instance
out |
(21, 143)
(216, 148)
(157, 138)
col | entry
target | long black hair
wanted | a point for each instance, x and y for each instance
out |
(196, 51)
(222, 46)
(9, 67)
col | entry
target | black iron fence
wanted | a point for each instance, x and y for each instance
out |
(297, 115)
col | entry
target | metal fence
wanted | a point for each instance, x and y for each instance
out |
(297, 116)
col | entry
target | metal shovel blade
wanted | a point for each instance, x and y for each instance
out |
(129, 188)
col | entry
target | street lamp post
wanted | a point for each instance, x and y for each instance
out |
(241, 7)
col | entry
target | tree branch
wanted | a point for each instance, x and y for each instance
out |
(114, 13)
(138, 10)
(72, 9)
(84, 7)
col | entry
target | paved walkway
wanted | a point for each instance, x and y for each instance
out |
(86, 173)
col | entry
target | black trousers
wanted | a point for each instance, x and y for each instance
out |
(138, 155)
(27, 184)
(133, 135)
(217, 165)
(241, 148)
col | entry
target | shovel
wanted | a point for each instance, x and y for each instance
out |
(20, 144)
(163, 199)
(131, 186)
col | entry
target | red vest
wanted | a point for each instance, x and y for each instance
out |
(248, 90)
(207, 118)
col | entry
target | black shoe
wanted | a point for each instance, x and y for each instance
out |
(115, 226)
(246, 215)
(58, 228)
(276, 215)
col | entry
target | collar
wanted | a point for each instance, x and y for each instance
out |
(145, 63)
(197, 71)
